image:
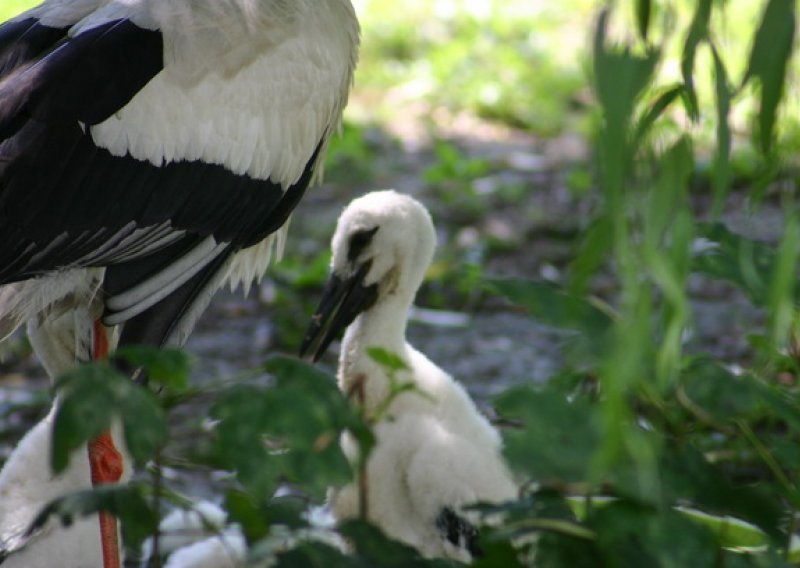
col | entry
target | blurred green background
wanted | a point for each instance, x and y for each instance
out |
(521, 63)
(619, 248)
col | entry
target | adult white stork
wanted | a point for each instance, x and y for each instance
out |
(434, 452)
(152, 150)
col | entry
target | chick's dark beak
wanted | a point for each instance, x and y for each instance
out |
(342, 300)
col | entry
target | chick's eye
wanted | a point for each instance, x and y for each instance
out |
(359, 241)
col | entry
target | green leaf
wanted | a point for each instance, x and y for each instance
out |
(91, 396)
(769, 61)
(552, 306)
(84, 413)
(688, 478)
(782, 283)
(758, 559)
(498, 555)
(629, 534)
(242, 509)
(719, 393)
(554, 550)
(722, 157)
(127, 503)
(620, 77)
(167, 367)
(643, 11)
(661, 103)
(387, 359)
(288, 432)
(373, 548)
(549, 305)
(729, 532)
(309, 555)
(244, 420)
(698, 32)
(735, 259)
(558, 437)
(669, 196)
(298, 378)
(593, 248)
(259, 518)
(369, 548)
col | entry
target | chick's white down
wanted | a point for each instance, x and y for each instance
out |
(27, 483)
(434, 448)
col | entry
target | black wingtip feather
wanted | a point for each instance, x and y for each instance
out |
(25, 40)
(459, 531)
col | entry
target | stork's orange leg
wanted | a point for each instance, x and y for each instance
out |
(106, 465)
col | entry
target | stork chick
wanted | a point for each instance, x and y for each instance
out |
(435, 453)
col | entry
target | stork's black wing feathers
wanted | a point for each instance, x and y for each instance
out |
(88, 189)
(86, 78)
(459, 531)
(158, 322)
(25, 40)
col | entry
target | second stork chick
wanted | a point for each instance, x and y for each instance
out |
(435, 452)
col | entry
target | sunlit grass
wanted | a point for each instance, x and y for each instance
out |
(10, 8)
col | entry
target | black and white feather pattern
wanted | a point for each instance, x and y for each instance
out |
(159, 146)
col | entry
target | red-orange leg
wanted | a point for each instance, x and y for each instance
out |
(106, 465)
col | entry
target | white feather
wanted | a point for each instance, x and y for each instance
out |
(250, 85)
(22, 301)
(250, 264)
(163, 283)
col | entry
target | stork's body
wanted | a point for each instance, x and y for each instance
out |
(434, 453)
(152, 150)
(159, 146)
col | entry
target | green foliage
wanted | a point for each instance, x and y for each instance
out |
(287, 433)
(559, 436)
(350, 155)
(93, 395)
(769, 59)
(453, 176)
(371, 548)
(745, 263)
(167, 367)
(642, 421)
(500, 61)
(125, 502)
(386, 359)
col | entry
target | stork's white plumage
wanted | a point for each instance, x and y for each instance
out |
(152, 150)
(435, 452)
